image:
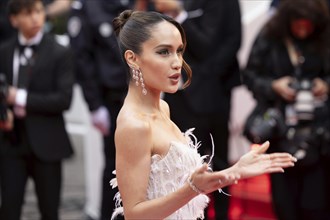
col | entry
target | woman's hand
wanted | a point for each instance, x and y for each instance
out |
(251, 164)
(256, 162)
(207, 182)
(282, 88)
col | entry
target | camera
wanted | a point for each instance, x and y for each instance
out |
(3, 97)
(304, 104)
(266, 126)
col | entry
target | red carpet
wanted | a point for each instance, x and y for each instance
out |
(250, 200)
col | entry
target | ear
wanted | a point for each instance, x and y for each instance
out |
(131, 59)
(13, 21)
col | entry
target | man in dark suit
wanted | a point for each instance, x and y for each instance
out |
(34, 141)
(213, 31)
(102, 76)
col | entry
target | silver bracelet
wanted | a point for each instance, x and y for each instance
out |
(194, 187)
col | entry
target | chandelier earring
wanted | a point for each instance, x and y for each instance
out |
(138, 78)
(144, 91)
(135, 76)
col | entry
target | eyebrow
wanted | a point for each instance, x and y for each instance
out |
(167, 46)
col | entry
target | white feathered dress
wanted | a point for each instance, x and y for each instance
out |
(169, 173)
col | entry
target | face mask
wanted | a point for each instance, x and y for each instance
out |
(301, 28)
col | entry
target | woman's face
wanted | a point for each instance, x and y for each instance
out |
(161, 59)
(301, 28)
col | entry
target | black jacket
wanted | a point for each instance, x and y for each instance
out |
(49, 95)
(99, 66)
(269, 60)
(213, 31)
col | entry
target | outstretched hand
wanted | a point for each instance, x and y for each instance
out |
(257, 162)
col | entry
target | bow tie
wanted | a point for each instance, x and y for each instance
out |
(23, 47)
(27, 50)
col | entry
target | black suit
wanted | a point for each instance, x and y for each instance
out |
(101, 74)
(213, 31)
(39, 141)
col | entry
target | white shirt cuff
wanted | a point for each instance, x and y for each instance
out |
(100, 115)
(183, 15)
(21, 96)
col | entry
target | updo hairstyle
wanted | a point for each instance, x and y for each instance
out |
(133, 28)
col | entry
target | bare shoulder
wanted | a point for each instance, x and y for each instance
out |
(165, 107)
(132, 131)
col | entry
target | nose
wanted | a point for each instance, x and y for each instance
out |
(36, 15)
(177, 61)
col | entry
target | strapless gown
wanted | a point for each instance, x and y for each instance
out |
(169, 173)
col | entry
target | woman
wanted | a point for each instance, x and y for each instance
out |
(288, 68)
(159, 171)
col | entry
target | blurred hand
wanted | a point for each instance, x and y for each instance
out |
(101, 120)
(256, 162)
(169, 7)
(11, 95)
(320, 87)
(9, 124)
(282, 88)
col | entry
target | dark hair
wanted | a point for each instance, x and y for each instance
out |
(317, 11)
(133, 28)
(16, 6)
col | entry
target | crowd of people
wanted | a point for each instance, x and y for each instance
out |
(157, 77)
(288, 70)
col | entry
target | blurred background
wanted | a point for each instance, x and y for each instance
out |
(83, 173)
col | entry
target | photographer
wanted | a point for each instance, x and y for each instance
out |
(288, 70)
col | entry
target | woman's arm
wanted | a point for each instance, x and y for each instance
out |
(133, 158)
(134, 145)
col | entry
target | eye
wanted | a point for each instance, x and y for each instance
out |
(163, 52)
(25, 12)
(180, 51)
